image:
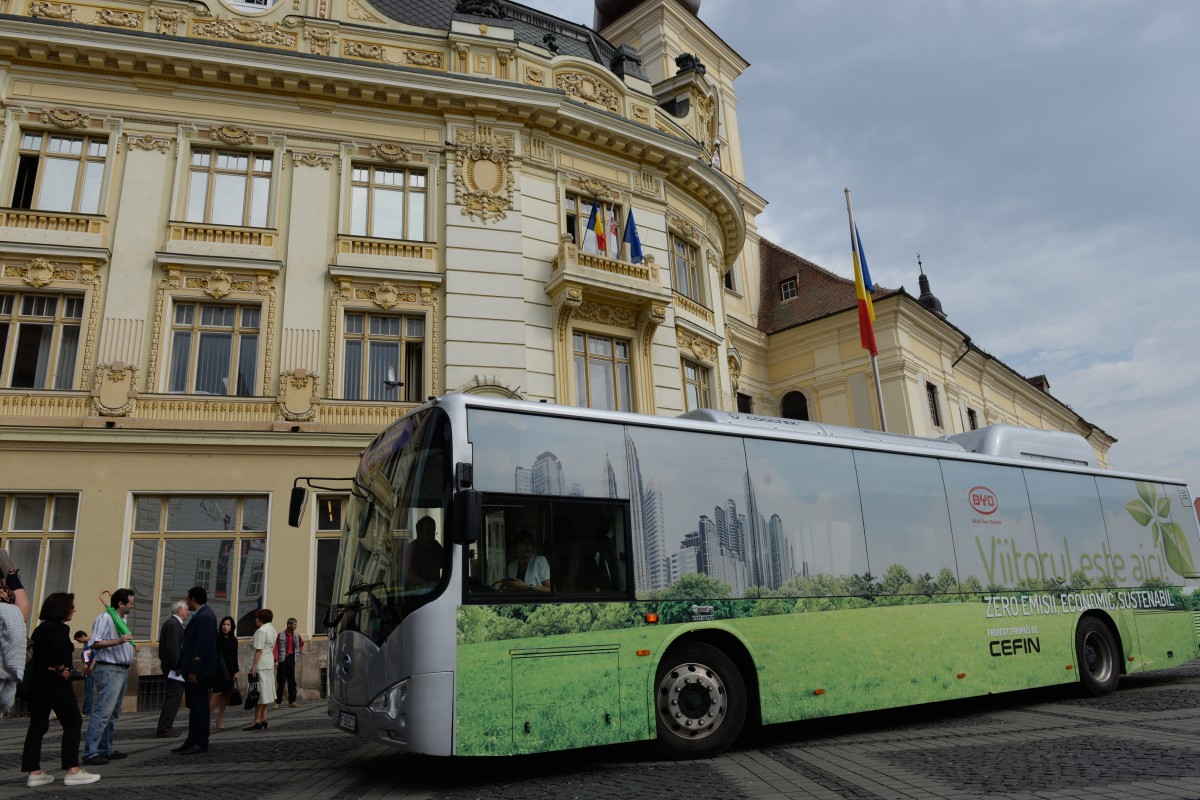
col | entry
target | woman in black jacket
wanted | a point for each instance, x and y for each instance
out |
(227, 669)
(50, 690)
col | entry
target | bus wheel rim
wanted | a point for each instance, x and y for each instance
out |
(1096, 657)
(692, 700)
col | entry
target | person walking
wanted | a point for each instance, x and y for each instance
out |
(13, 637)
(170, 640)
(227, 669)
(288, 647)
(50, 690)
(113, 655)
(262, 666)
(198, 663)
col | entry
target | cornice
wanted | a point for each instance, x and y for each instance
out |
(178, 442)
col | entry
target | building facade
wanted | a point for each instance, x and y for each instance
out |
(240, 237)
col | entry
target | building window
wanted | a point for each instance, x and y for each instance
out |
(603, 376)
(787, 289)
(935, 415)
(229, 188)
(685, 267)
(218, 542)
(214, 349)
(38, 530)
(745, 403)
(387, 202)
(380, 351)
(696, 383)
(972, 420)
(611, 216)
(60, 173)
(39, 339)
(330, 510)
(794, 406)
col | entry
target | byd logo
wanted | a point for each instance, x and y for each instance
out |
(983, 500)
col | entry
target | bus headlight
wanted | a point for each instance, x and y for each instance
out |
(389, 700)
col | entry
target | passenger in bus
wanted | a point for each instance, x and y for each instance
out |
(529, 572)
(598, 568)
(423, 556)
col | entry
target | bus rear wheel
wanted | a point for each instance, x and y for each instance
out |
(1097, 656)
(699, 701)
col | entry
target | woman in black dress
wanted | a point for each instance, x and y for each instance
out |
(227, 669)
(50, 690)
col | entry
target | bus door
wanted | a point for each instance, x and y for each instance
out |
(550, 569)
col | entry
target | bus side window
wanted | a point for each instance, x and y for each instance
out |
(588, 540)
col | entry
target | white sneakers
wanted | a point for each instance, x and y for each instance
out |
(80, 778)
(39, 780)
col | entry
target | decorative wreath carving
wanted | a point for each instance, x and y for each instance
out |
(68, 118)
(391, 153)
(233, 134)
(585, 87)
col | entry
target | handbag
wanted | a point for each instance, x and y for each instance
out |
(235, 696)
(251, 693)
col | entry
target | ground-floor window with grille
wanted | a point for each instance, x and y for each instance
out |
(181, 541)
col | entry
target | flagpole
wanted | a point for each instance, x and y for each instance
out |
(854, 249)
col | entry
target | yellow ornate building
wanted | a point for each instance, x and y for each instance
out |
(241, 236)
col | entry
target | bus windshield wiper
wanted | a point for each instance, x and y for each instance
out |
(364, 587)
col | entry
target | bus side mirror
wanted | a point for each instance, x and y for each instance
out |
(296, 506)
(464, 516)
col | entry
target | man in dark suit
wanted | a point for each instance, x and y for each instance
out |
(197, 664)
(170, 640)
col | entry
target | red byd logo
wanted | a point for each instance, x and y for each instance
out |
(983, 500)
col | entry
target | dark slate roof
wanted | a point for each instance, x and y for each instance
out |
(819, 291)
(529, 26)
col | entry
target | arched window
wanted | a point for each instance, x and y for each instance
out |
(795, 406)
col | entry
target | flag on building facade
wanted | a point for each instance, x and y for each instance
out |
(594, 240)
(632, 239)
(863, 288)
(613, 237)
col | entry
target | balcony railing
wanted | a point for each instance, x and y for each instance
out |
(52, 221)
(222, 234)
(692, 307)
(388, 248)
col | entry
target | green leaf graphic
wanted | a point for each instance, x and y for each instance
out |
(1140, 512)
(1157, 528)
(1175, 545)
(1146, 492)
(1164, 507)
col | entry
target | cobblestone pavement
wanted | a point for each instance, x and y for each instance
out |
(1142, 742)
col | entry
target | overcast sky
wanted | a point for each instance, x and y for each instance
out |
(1042, 157)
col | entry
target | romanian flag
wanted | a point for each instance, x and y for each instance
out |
(863, 288)
(594, 239)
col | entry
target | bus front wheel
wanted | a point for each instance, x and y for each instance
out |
(699, 701)
(1097, 656)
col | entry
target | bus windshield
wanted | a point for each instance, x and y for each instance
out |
(394, 558)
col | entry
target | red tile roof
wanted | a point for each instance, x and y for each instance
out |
(819, 292)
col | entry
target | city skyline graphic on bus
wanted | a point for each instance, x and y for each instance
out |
(680, 523)
(752, 512)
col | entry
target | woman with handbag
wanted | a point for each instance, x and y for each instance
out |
(50, 689)
(262, 667)
(225, 681)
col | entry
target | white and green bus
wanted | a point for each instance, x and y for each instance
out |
(517, 577)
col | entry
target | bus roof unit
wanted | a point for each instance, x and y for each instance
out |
(1014, 442)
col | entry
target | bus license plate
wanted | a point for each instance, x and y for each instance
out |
(347, 722)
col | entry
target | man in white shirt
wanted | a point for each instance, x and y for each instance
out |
(113, 656)
(170, 639)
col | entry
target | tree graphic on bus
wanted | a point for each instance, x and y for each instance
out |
(1148, 509)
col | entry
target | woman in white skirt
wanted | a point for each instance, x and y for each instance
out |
(262, 665)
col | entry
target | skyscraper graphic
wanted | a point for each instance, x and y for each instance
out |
(522, 480)
(651, 564)
(547, 475)
(610, 478)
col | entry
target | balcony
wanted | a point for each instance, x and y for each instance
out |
(52, 227)
(391, 254)
(607, 279)
(227, 241)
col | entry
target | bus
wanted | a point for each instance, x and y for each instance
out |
(517, 577)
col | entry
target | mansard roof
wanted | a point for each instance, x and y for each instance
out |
(529, 26)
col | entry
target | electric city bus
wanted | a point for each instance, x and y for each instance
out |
(517, 577)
